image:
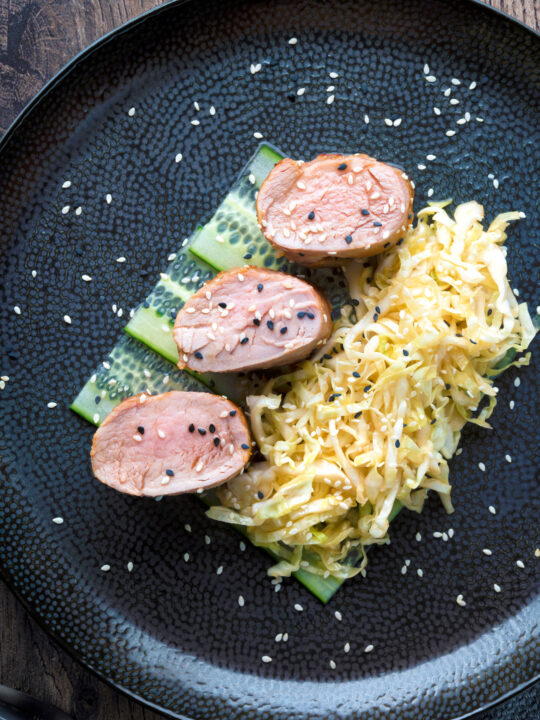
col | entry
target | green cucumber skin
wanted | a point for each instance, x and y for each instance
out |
(128, 360)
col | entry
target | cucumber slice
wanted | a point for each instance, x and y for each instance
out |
(129, 369)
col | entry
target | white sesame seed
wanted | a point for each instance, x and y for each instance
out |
(34, 273)
(186, 557)
(454, 101)
(330, 99)
(368, 648)
(241, 600)
(461, 121)
(517, 382)
(95, 418)
(298, 607)
(330, 88)
(332, 664)
(418, 537)
(436, 110)
(65, 209)
(480, 119)
(404, 570)
(66, 184)
(447, 92)
(129, 566)
(472, 85)
(388, 122)
(451, 532)
(426, 69)
(17, 310)
(537, 553)
(450, 133)
(497, 588)
(255, 68)
(242, 546)
(4, 378)
(460, 601)
(105, 568)
(421, 166)
(431, 78)
(187, 527)
(492, 510)
(300, 91)
(121, 259)
(67, 319)
(58, 520)
(293, 41)
(467, 116)
(487, 551)
(520, 564)
(495, 183)
(366, 119)
(108, 198)
(482, 466)
(431, 157)
(430, 192)
(338, 615)
(437, 534)
(266, 659)
(51, 404)
(511, 404)
(333, 75)
(398, 122)
(257, 135)
(78, 211)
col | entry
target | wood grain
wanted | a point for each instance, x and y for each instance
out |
(38, 37)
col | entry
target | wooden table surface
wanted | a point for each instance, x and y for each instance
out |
(38, 37)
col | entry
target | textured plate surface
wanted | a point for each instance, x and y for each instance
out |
(172, 631)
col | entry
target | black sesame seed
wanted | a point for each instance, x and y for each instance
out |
(202, 431)
(169, 472)
(243, 341)
(311, 215)
(343, 166)
(310, 315)
(447, 386)
(348, 239)
(270, 325)
(459, 335)
(375, 317)
(232, 413)
(216, 441)
(357, 415)
(409, 216)
(386, 244)
(256, 322)
(140, 429)
(244, 446)
(377, 309)
(364, 211)
(283, 330)
(405, 352)
(97, 399)
(433, 421)
(260, 494)
(191, 428)
(377, 224)
(446, 323)
(367, 388)
(356, 374)
(212, 428)
(301, 314)
(326, 356)
(248, 256)
(399, 241)
(489, 311)
(334, 396)
(397, 443)
(355, 302)
(199, 355)
(260, 287)
(222, 305)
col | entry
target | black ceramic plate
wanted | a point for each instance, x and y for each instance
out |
(172, 633)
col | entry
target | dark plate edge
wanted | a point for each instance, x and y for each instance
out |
(4, 141)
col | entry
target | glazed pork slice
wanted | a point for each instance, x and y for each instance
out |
(169, 444)
(334, 207)
(250, 318)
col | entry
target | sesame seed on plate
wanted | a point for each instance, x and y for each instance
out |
(511, 404)
(520, 564)
(338, 615)
(105, 568)
(487, 551)
(58, 520)
(508, 458)
(86, 278)
(333, 75)
(430, 192)
(450, 133)
(330, 99)
(436, 110)
(186, 557)
(420, 572)
(241, 600)
(398, 122)
(431, 78)
(426, 69)
(332, 664)
(497, 588)
(492, 510)
(255, 68)
(266, 659)
(454, 101)
(242, 546)
(67, 319)
(366, 119)
(455, 81)
(131, 111)
(300, 91)
(258, 135)
(66, 184)
(78, 211)
(517, 382)
(65, 209)
(460, 601)
(431, 157)
(388, 122)
(482, 466)
(418, 537)
(298, 607)
(293, 41)
(121, 259)
(480, 119)
(129, 566)
(368, 648)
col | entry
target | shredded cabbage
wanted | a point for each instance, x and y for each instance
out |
(376, 415)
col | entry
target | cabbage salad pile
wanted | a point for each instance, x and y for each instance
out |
(371, 421)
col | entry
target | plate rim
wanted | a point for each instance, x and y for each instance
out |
(12, 128)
